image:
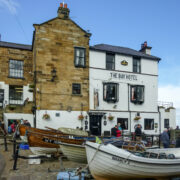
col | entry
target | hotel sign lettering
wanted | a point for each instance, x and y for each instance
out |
(124, 76)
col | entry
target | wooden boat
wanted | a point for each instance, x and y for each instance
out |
(109, 162)
(40, 146)
(74, 152)
(23, 129)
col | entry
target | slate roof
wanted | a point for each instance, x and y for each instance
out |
(16, 46)
(122, 50)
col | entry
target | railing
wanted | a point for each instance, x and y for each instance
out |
(165, 104)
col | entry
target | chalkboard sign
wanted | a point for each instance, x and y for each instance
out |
(1, 95)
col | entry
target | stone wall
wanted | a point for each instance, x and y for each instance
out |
(15, 54)
(54, 48)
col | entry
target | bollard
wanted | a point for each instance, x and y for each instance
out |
(5, 143)
(14, 148)
(16, 158)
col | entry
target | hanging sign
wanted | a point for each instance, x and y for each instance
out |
(124, 63)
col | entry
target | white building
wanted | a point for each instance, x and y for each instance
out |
(124, 88)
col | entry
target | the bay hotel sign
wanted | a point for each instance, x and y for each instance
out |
(123, 76)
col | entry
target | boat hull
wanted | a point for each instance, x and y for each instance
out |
(44, 150)
(109, 162)
(74, 152)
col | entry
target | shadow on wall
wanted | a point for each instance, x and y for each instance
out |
(2, 165)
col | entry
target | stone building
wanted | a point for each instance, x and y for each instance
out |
(60, 81)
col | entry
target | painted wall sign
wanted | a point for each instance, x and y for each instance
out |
(124, 63)
(124, 76)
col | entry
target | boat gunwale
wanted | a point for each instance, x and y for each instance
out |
(139, 161)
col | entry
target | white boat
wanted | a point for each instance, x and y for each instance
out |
(108, 162)
(74, 152)
(44, 150)
(175, 151)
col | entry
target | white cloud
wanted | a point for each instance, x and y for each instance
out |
(11, 5)
(171, 93)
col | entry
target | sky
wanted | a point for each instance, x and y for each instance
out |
(125, 23)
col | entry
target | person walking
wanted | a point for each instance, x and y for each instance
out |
(113, 131)
(138, 132)
(165, 138)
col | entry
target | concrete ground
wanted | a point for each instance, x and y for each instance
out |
(26, 171)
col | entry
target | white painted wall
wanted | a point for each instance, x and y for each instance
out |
(17, 116)
(98, 77)
(66, 119)
(98, 60)
(26, 93)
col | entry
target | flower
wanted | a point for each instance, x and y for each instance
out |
(46, 116)
(110, 117)
(137, 118)
(80, 117)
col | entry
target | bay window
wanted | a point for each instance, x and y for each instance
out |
(110, 92)
(137, 94)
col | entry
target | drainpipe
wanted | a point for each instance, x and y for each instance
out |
(129, 108)
(159, 120)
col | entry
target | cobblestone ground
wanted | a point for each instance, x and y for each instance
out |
(26, 171)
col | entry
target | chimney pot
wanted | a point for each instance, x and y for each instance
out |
(61, 4)
(145, 43)
(65, 5)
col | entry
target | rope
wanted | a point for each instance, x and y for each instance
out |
(78, 171)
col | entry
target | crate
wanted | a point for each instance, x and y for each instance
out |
(24, 146)
(34, 161)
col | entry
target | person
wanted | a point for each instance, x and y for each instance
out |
(168, 131)
(138, 132)
(119, 126)
(118, 132)
(177, 127)
(165, 138)
(113, 131)
(13, 127)
(26, 123)
(178, 141)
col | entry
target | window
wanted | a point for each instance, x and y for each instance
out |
(76, 89)
(110, 61)
(148, 124)
(110, 92)
(16, 69)
(80, 57)
(166, 123)
(16, 95)
(137, 94)
(124, 123)
(136, 65)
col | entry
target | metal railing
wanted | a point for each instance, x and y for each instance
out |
(165, 104)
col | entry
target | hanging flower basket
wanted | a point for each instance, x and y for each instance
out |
(110, 117)
(137, 118)
(46, 116)
(80, 117)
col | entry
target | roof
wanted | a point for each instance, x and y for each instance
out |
(15, 45)
(122, 50)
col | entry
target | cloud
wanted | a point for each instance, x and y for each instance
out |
(11, 5)
(171, 93)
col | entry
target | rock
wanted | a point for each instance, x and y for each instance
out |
(2, 164)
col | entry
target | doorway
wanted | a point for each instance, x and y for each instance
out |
(95, 125)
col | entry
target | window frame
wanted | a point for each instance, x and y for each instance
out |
(166, 123)
(116, 99)
(148, 122)
(18, 71)
(15, 99)
(79, 65)
(74, 84)
(135, 66)
(137, 101)
(110, 54)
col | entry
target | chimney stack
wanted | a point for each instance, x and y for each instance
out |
(145, 48)
(63, 11)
